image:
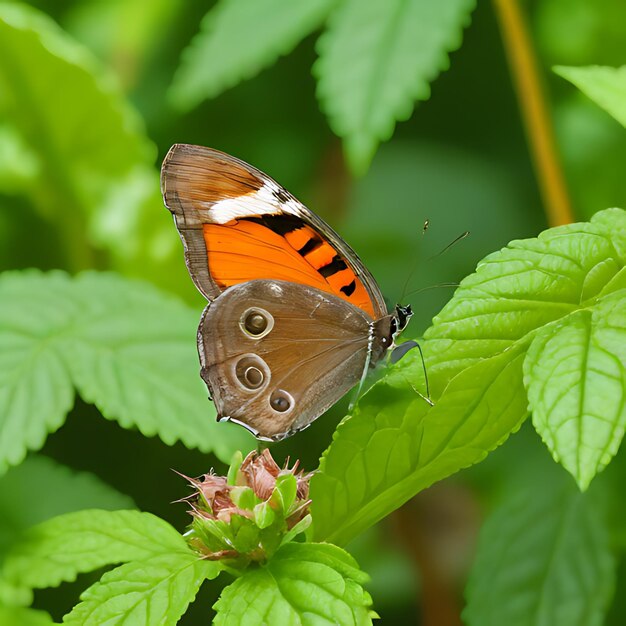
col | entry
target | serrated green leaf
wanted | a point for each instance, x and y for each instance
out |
(35, 386)
(395, 445)
(127, 347)
(575, 373)
(524, 286)
(59, 549)
(606, 86)
(544, 557)
(376, 59)
(65, 491)
(303, 584)
(85, 158)
(17, 616)
(237, 39)
(154, 592)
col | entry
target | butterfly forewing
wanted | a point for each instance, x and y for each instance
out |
(237, 225)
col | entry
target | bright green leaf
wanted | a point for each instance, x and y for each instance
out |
(18, 165)
(59, 549)
(543, 558)
(524, 286)
(154, 592)
(575, 372)
(127, 347)
(14, 595)
(376, 59)
(264, 515)
(606, 86)
(17, 616)
(285, 491)
(35, 386)
(303, 584)
(24, 503)
(238, 38)
(394, 446)
(86, 157)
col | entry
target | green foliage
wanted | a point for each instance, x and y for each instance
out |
(232, 46)
(303, 584)
(544, 556)
(376, 59)
(538, 328)
(18, 616)
(606, 86)
(126, 347)
(65, 491)
(576, 379)
(159, 578)
(395, 444)
(60, 548)
(85, 171)
(154, 592)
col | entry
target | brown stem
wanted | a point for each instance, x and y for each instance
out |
(532, 101)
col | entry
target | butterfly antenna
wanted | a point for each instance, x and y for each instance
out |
(437, 286)
(415, 265)
(459, 238)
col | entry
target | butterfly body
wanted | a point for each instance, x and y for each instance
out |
(294, 318)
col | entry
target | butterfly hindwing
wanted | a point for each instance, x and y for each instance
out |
(277, 354)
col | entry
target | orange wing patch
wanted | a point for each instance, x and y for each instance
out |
(248, 249)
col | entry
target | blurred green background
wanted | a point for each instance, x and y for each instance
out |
(79, 189)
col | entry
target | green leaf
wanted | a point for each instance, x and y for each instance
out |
(285, 491)
(59, 549)
(18, 165)
(575, 373)
(523, 287)
(154, 592)
(237, 39)
(35, 388)
(264, 515)
(376, 59)
(128, 348)
(87, 158)
(65, 491)
(606, 86)
(393, 446)
(304, 584)
(543, 558)
(17, 616)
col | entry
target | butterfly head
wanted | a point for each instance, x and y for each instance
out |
(402, 315)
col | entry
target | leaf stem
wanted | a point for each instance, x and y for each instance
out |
(534, 109)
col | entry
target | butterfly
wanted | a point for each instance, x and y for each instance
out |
(294, 319)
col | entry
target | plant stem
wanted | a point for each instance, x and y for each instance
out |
(532, 101)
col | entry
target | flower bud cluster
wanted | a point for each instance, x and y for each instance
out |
(247, 515)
